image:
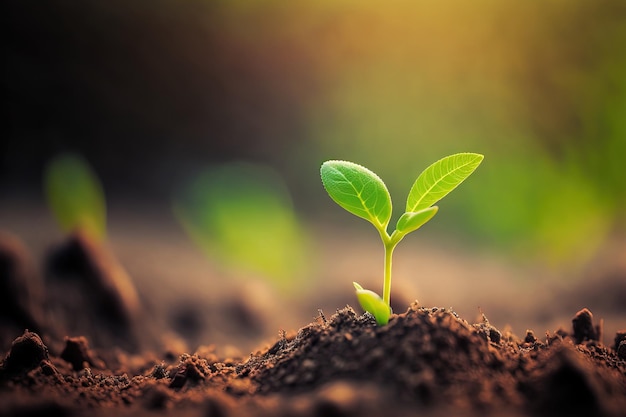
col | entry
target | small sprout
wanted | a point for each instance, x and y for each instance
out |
(241, 214)
(362, 193)
(75, 195)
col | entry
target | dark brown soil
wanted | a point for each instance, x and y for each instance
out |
(426, 361)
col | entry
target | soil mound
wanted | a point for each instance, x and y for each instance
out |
(426, 361)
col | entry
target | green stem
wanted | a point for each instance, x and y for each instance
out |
(390, 243)
(389, 246)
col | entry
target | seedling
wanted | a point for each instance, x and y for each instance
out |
(362, 193)
(241, 215)
(75, 195)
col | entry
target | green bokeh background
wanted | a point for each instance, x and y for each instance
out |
(153, 92)
(540, 89)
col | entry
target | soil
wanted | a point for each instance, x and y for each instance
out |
(78, 342)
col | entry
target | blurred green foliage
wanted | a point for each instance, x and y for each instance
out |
(537, 87)
(540, 89)
(241, 215)
(530, 206)
(75, 195)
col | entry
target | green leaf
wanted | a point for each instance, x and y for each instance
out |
(436, 181)
(358, 190)
(412, 221)
(373, 304)
(75, 195)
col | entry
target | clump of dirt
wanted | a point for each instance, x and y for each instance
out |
(27, 352)
(84, 273)
(21, 294)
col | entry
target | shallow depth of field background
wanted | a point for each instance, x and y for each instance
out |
(154, 94)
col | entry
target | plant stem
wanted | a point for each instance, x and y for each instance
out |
(389, 246)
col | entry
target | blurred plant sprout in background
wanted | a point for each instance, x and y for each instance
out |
(75, 195)
(241, 215)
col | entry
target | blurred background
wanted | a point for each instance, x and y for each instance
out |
(166, 98)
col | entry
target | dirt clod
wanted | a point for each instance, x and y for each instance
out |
(619, 337)
(27, 352)
(159, 372)
(621, 350)
(20, 292)
(583, 326)
(94, 288)
(78, 354)
(530, 337)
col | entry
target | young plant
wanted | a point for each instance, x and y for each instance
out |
(75, 195)
(241, 215)
(362, 193)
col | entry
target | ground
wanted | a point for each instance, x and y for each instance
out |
(82, 338)
(427, 361)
